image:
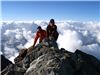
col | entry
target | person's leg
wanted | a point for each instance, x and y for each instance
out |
(56, 34)
(53, 43)
(45, 42)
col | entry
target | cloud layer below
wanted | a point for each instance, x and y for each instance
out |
(73, 35)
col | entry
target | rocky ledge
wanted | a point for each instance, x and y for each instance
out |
(50, 61)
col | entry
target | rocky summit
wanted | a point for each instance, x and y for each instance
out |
(51, 61)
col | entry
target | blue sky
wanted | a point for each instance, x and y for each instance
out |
(45, 10)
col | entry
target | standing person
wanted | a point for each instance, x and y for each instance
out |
(52, 30)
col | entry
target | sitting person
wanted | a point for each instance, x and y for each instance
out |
(52, 34)
(52, 30)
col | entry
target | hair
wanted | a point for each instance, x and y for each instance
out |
(52, 21)
(39, 27)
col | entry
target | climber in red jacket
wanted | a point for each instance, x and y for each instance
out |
(40, 34)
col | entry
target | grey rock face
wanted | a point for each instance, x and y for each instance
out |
(4, 62)
(50, 61)
(47, 61)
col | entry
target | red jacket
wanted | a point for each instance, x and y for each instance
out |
(41, 35)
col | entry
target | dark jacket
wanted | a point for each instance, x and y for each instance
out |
(52, 31)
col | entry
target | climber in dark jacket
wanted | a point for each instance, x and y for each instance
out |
(52, 30)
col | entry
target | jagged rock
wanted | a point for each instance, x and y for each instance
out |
(8, 68)
(60, 62)
(13, 69)
(4, 62)
(85, 64)
(46, 61)
(51, 61)
(21, 55)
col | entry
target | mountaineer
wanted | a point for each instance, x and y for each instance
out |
(52, 30)
(40, 34)
(52, 34)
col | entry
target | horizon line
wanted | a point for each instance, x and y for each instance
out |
(67, 20)
(49, 0)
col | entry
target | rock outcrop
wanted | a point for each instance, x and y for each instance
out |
(4, 62)
(50, 61)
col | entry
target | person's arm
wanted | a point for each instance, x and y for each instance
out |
(36, 38)
(55, 28)
(47, 31)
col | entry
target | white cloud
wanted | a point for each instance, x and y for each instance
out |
(69, 40)
(10, 53)
(73, 35)
(29, 43)
(98, 37)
